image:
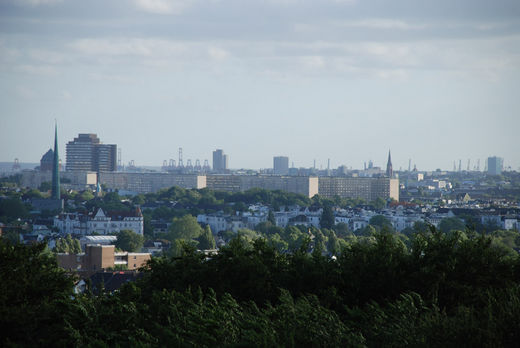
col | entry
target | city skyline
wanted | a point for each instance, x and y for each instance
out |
(343, 80)
(320, 164)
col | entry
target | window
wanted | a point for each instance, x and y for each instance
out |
(135, 265)
(135, 257)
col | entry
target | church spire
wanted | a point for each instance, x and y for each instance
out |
(389, 170)
(56, 167)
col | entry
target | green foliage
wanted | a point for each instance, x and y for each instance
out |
(86, 195)
(342, 230)
(68, 245)
(381, 223)
(327, 219)
(12, 209)
(206, 239)
(444, 289)
(451, 224)
(270, 218)
(185, 227)
(128, 240)
(34, 294)
(379, 203)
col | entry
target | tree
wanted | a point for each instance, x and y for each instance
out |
(327, 219)
(128, 240)
(367, 231)
(247, 234)
(35, 297)
(206, 239)
(379, 203)
(270, 217)
(45, 186)
(147, 225)
(342, 230)
(12, 237)
(333, 245)
(68, 245)
(185, 227)
(451, 224)
(85, 196)
(380, 222)
(12, 209)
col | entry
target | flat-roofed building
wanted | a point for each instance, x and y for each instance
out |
(368, 189)
(150, 182)
(87, 153)
(101, 257)
(281, 165)
(304, 185)
(79, 180)
(220, 161)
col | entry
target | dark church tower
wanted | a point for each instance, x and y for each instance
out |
(389, 170)
(56, 167)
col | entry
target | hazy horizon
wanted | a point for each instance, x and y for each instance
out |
(348, 80)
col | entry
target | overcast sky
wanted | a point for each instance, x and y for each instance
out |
(434, 81)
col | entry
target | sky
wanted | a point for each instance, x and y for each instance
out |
(345, 80)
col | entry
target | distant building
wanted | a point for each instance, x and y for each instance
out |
(495, 165)
(367, 189)
(150, 182)
(46, 161)
(220, 161)
(87, 153)
(101, 257)
(304, 185)
(68, 180)
(101, 223)
(281, 165)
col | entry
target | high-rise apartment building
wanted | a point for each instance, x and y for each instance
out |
(220, 161)
(495, 165)
(281, 165)
(86, 153)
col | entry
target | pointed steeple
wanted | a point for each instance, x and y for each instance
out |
(56, 167)
(389, 170)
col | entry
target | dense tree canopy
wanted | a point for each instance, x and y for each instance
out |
(445, 289)
(128, 240)
(185, 227)
(68, 245)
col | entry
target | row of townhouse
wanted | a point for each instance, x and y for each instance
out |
(257, 214)
(101, 223)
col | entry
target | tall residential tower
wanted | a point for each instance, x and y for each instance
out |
(220, 161)
(281, 165)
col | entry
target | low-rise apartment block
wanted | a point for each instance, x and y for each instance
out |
(101, 257)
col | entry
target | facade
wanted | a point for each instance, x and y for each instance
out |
(69, 180)
(150, 182)
(101, 257)
(281, 165)
(368, 189)
(495, 165)
(86, 153)
(100, 223)
(220, 161)
(105, 158)
(304, 185)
